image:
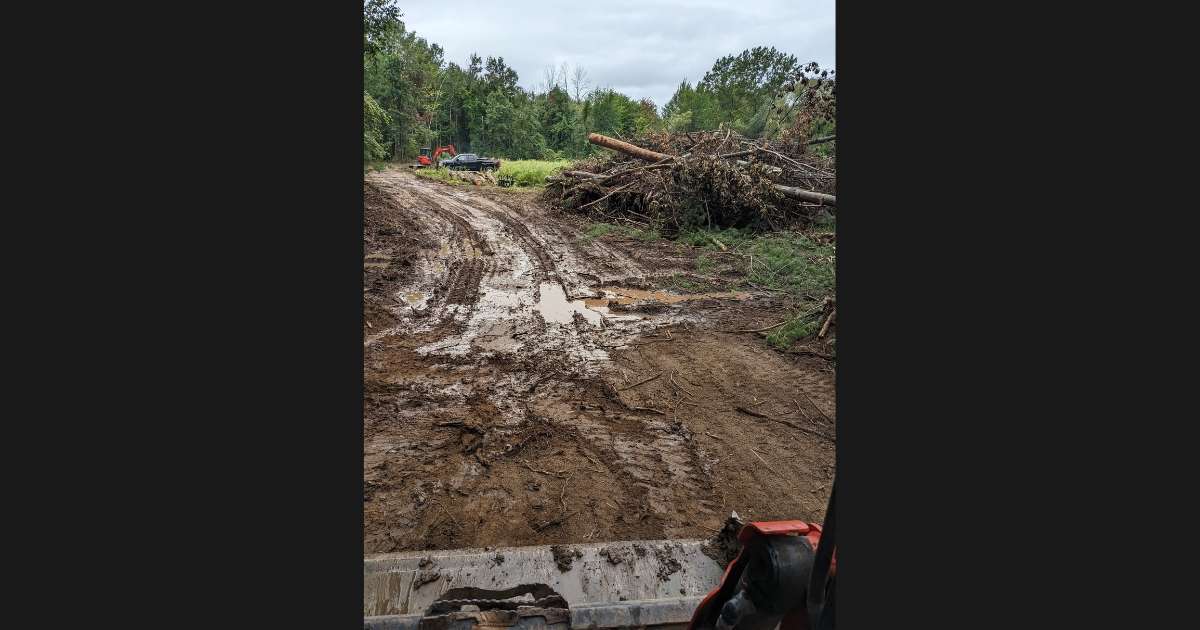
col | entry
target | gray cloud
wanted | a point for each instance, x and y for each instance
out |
(643, 48)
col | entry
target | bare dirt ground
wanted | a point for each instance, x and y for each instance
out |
(524, 385)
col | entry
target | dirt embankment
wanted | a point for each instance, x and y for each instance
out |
(527, 386)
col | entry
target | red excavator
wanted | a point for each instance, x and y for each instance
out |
(430, 158)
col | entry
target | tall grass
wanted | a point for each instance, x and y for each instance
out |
(531, 172)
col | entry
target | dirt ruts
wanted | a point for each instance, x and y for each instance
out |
(506, 403)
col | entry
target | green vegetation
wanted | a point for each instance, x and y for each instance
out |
(524, 173)
(788, 262)
(705, 263)
(739, 91)
(801, 326)
(375, 120)
(530, 172)
(792, 263)
(416, 98)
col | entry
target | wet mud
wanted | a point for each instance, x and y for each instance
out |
(523, 385)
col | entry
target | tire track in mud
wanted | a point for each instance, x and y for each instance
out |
(653, 460)
(536, 247)
(467, 273)
(494, 363)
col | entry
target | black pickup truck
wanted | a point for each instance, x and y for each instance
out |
(471, 162)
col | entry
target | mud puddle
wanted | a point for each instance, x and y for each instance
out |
(554, 306)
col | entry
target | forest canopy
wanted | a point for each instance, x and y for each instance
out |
(415, 98)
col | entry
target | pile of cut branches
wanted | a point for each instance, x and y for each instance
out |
(719, 179)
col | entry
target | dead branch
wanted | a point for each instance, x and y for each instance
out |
(828, 320)
(557, 521)
(787, 423)
(556, 475)
(759, 329)
(810, 401)
(610, 193)
(681, 387)
(641, 381)
(765, 463)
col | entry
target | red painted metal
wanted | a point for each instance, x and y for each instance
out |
(795, 621)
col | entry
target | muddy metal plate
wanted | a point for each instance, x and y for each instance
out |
(607, 584)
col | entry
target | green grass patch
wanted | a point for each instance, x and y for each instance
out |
(596, 230)
(530, 172)
(785, 261)
(792, 263)
(730, 237)
(802, 326)
(705, 263)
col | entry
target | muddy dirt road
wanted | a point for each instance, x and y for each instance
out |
(524, 385)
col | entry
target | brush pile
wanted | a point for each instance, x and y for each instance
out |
(714, 179)
(477, 178)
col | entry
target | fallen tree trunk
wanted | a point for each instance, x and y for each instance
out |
(806, 195)
(626, 148)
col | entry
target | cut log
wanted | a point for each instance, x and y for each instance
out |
(626, 148)
(806, 195)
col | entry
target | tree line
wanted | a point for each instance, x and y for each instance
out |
(414, 98)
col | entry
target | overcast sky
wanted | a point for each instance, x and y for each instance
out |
(642, 48)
